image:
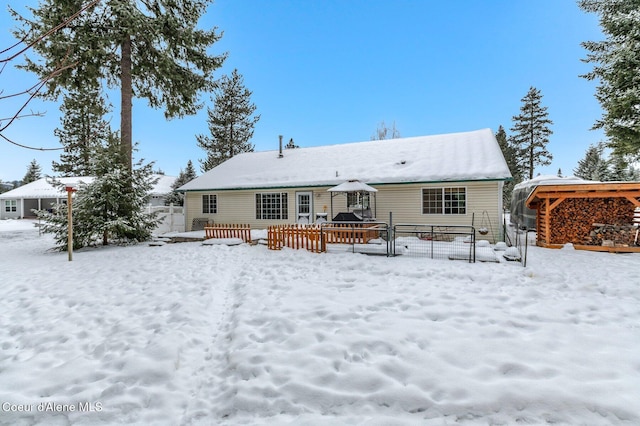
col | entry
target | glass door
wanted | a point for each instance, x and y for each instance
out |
(304, 207)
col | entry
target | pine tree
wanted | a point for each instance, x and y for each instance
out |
(83, 132)
(617, 71)
(151, 50)
(177, 198)
(621, 170)
(291, 145)
(593, 166)
(231, 122)
(510, 154)
(560, 172)
(531, 133)
(110, 209)
(34, 172)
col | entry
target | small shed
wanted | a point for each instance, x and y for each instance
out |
(591, 215)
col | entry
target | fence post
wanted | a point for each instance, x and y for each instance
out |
(171, 217)
(391, 243)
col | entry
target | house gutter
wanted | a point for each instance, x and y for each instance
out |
(248, 188)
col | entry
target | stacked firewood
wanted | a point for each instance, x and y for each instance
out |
(593, 221)
(611, 235)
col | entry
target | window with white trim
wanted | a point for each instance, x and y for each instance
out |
(358, 199)
(209, 204)
(272, 205)
(444, 200)
(10, 206)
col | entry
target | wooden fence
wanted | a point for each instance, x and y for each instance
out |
(296, 236)
(316, 237)
(228, 231)
(350, 233)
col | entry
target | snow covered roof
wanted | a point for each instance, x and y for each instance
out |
(163, 186)
(551, 180)
(42, 188)
(465, 156)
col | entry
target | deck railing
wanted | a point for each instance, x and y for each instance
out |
(219, 230)
(295, 236)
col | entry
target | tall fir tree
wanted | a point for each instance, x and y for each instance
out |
(150, 50)
(616, 68)
(34, 172)
(511, 157)
(593, 166)
(177, 198)
(84, 131)
(531, 133)
(231, 122)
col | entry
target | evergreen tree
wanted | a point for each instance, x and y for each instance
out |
(531, 133)
(593, 166)
(177, 198)
(83, 131)
(560, 173)
(34, 172)
(510, 154)
(291, 145)
(110, 209)
(616, 68)
(149, 49)
(621, 170)
(231, 122)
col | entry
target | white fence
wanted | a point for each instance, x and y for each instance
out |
(171, 218)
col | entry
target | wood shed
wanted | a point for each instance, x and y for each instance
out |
(591, 215)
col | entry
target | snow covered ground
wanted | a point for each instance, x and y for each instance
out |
(186, 334)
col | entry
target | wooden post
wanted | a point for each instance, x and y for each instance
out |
(70, 189)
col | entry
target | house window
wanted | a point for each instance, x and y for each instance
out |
(272, 205)
(358, 199)
(444, 201)
(209, 203)
(10, 206)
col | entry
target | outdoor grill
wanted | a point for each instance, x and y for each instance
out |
(347, 217)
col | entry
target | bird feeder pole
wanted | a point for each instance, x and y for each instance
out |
(70, 190)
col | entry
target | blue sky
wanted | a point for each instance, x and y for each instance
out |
(328, 72)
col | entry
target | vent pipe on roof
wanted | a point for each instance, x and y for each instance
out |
(280, 152)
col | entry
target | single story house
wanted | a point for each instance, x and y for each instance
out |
(41, 194)
(447, 179)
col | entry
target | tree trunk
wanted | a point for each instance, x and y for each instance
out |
(126, 94)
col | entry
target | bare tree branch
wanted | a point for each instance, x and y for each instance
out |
(33, 91)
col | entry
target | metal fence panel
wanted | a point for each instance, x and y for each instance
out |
(356, 237)
(455, 242)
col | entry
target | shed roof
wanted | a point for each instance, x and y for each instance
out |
(584, 189)
(464, 156)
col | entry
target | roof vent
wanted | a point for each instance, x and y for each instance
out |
(280, 151)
